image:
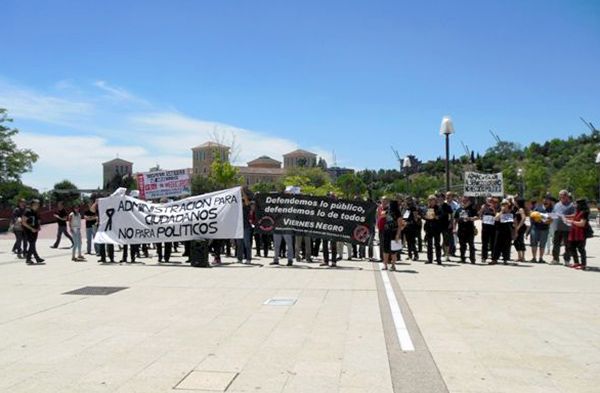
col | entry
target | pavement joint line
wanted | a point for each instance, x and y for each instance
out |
(401, 330)
(44, 310)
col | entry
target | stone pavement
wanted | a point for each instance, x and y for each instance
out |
(526, 328)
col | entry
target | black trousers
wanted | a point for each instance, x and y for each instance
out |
(316, 245)
(216, 247)
(574, 248)
(59, 233)
(420, 236)
(135, 249)
(103, 251)
(410, 234)
(31, 245)
(466, 239)
(502, 246)
(329, 246)
(433, 240)
(488, 238)
(167, 251)
(560, 238)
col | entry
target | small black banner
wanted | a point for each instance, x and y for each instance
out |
(334, 219)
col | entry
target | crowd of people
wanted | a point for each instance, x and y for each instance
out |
(449, 229)
(444, 227)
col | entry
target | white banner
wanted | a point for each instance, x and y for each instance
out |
(127, 220)
(159, 184)
(483, 184)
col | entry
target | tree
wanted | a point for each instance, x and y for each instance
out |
(119, 181)
(224, 174)
(322, 163)
(265, 188)
(12, 191)
(301, 162)
(203, 185)
(13, 161)
(351, 185)
(66, 192)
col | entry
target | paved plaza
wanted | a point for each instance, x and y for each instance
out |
(425, 328)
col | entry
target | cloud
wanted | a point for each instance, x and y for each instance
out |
(173, 131)
(30, 104)
(118, 93)
(105, 127)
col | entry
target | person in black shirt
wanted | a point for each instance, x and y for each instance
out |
(411, 218)
(487, 213)
(445, 224)
(505, 223)
(464, 226)
(31, 226)
(91, 219)
(61, 216)
(434, 224)
(20, 246)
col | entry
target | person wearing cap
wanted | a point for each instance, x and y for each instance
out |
(434, 225)
(579, 222)
(505, 224)
(563, 208)
(31, 224)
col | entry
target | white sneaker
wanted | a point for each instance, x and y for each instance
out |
(246, 262)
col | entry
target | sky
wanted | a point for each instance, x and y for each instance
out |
(147, 80)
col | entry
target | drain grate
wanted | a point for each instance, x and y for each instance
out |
(280, 302)
(95, 291)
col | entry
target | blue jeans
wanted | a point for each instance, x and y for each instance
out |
(244, 246)
(89, 236)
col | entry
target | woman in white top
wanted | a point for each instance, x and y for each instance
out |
(75, 228)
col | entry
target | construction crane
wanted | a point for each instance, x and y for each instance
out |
(589, 125)
(496, 137)
(397, 157)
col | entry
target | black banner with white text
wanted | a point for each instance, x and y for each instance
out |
(341, 220)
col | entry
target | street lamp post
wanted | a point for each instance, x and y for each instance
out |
(521, 186)
(447, 128)
(406, 164)
(598, 162)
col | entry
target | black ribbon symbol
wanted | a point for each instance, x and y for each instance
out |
(109, 214)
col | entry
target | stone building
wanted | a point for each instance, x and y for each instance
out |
(205, 154)
(264, 169)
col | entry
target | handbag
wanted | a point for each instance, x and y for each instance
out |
(396, 245)
(589, 232)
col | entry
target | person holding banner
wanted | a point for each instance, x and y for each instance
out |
(243, 247)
